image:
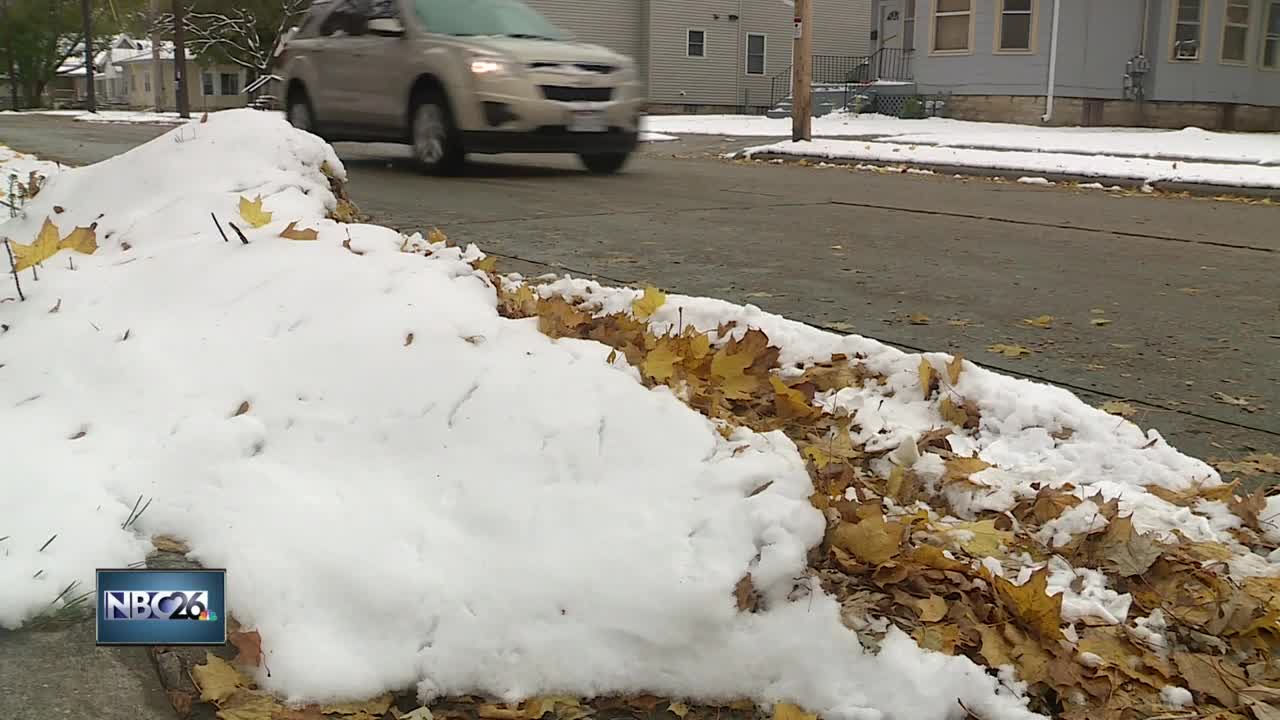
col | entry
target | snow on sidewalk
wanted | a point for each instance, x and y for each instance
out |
(1089, 166)
(1186, 144)
(404, 486)
(110, 116)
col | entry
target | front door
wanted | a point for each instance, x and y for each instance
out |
(891, 25)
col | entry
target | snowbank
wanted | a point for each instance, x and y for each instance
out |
(404, 486)
(1186, 144)
(1092, 166)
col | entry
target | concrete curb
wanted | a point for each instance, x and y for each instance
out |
(1199, 189)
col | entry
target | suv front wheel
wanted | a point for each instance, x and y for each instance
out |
(437, 144)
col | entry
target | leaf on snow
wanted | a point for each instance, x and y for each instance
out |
(293, 232)
(44, 247)
(928, 378)
(953, 413)
(960, 469)
(954, 367)
(787, 711)
(82, 240)
(252, 212)
(646, 305)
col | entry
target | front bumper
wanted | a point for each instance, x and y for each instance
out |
(514, 114)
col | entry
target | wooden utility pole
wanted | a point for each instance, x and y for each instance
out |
(86, 19)
(157, 66)
(8, 51)
(180, 58)
(802, 73)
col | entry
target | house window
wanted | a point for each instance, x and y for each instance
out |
(230, 83)
(1015, 26)
(909, 26)
(1271, 37)
(952, 20)
(146, 82)
(1235, 32)
(755, 54)
(1186, 29)
(206, 80)
(696, 43)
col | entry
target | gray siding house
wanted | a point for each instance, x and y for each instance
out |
(1161, 63)
(715, 55)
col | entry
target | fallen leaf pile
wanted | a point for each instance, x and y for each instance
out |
(893, 552)
(991, 587)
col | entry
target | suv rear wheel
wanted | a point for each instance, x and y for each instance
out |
(605, 163)
(437, 144)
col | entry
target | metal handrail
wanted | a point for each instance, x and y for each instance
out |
(883, 64)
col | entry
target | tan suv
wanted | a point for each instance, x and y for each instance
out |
(452, 77)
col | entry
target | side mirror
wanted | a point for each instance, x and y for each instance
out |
(386, 26)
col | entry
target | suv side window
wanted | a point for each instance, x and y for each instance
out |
(349, 17)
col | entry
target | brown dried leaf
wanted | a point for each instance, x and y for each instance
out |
(930, 609)
(1118, 407)
(939, 638)
(1250, 508)
(932, 557)
(1049, 504)
(293, 232)
(1211, 676)
(168, 543)
(249, 705)
(243, 408)
(180, 700)
(745, 593)
(961, 468)
(217, 680)
(1009, 351)
(953, 414)
(986, 539)
(995, 649)
(1250, 465)
(374, 706)
(248, 646)
(1127, 552)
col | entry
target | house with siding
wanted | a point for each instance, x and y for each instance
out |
(1159, 63)
(209, 87)
(712, 55)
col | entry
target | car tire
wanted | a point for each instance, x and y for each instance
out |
(605, 163)
(434, 136)
(300, 113)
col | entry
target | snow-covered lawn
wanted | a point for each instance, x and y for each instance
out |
(1090, 166)
(1186, 144)
(406, 487)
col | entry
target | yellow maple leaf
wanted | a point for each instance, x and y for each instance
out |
(249, 705)
(1012, 351)
(45, 246)
(252, 212)
(659, 363)
(82, 240)
(646, 305)
(952, 413)
(787, 711)
(1118, 407)
(376, 707)
(437, 236)
(1044, 322)
(959, 469)
(488, 264)
(699, 346)
(954, 366)
(729, 369)
(293, 232)
(789, 402)
(1032, 605)
(928, 377)
(217, 679)
(872, 540)
(982, 539)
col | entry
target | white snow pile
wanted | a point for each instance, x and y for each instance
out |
(1064, 163)
(19, 166)
(404, 486)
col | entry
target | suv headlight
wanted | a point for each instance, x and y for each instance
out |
(491, 66)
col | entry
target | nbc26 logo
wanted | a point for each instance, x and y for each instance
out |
(158, 605)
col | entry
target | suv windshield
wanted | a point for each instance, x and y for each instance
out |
(511, 18)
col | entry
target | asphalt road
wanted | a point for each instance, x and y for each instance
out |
(1191, 287)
